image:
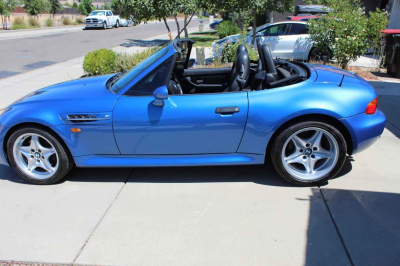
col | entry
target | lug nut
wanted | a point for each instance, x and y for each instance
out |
(304, 157)
(313, 156)
(308, 145)
(301, 150)
(315, 148)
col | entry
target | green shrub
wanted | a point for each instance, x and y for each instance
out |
(66, 21)
(227, 28)
(19, 23)
(229, 50)
(105, 61)
(79, 20)
(49, 22)
(125, 61)
(99, 62)
(33, 22)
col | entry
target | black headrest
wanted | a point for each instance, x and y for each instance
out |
(269, 63)
(241, 48)
(261, 53)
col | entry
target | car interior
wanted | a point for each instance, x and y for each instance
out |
(244, 75)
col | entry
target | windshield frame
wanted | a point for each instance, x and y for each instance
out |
(128, 79)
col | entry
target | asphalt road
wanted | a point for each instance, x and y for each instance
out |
(25, 54)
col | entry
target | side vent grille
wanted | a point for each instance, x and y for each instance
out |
(85, 118)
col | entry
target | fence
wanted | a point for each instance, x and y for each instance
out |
(65, 11)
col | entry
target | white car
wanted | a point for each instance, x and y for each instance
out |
(286, 39)
(101, 19)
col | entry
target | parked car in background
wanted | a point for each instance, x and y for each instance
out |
(215, 24)
(286, 39)
(126, 22)
(311, 9)
(301, 18)
(102, 19)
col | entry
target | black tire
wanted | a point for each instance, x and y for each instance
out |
(117, 24)
(282, 137)
(104, 25)
(66, 162)
(317, 56)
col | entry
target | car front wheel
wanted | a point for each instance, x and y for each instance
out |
(38, 156)
(309, 153)
(117, 24)
(105, 25)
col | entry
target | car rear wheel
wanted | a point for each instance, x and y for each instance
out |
(309, 153)
(38, 156)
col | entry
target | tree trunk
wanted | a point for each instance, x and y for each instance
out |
(169, 31)
(240, 20)
(186, 24)
(254, 26)
(177, 26)
(185, 28)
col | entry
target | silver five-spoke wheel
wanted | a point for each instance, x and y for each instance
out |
(35, 156)
(310, 154)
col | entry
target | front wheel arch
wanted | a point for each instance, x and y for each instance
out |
(318, 118)
(32, 124)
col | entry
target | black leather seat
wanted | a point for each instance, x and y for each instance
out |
(240, 70)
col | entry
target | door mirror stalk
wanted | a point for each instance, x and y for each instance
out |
(160, 94)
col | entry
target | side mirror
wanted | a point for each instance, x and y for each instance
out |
(160, 94)
(259, 34)
(191, 63)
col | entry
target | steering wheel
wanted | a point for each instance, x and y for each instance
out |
(174, 87)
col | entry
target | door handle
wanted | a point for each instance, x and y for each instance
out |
(227, 110)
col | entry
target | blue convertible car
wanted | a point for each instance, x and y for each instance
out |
(305, 117)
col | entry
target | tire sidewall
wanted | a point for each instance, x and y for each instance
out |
(117, 24)
(279, 141)
(104, 25)
(65, 162)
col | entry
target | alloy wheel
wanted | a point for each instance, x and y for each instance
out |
(310, 154)
(35, 156)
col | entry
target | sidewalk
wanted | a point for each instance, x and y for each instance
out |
(15, 87)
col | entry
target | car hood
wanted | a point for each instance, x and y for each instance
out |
(80, 93)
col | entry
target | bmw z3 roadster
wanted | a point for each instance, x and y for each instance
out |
(304, 117)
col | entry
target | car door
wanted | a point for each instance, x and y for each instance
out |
(186, 124)
(274, 37)
(299, 41)
(109, 19)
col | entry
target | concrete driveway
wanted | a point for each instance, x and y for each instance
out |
(241, 215)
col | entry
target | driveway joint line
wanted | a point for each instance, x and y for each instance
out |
(102, 217)
(336, 227)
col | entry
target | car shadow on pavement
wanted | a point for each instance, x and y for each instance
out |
(143, 43)
(259, 174)
(366, 221)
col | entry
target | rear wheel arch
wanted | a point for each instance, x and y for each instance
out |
(36, 125)
(318, 118)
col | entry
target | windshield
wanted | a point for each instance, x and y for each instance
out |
(131, 74)
(259, 28)
(97, 13)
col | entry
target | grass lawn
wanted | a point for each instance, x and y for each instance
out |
(203, 40)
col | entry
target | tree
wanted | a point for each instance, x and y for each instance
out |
(346, 30)
(55, 6)
(36, 7)
(107, 5)
(6, 7)
(75, 4)
(85, 7)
